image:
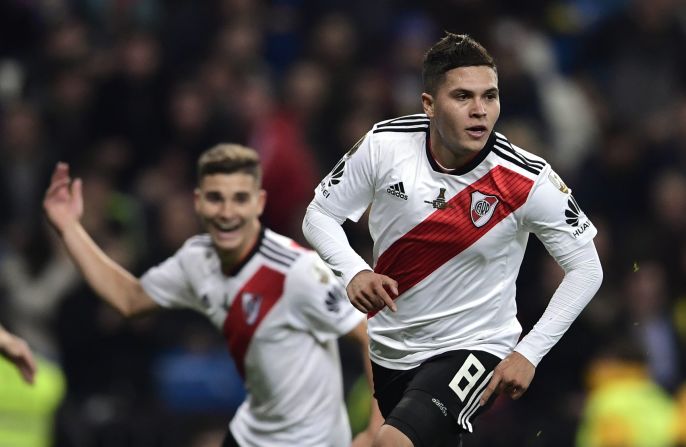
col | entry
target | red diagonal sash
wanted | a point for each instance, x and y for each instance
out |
(266, 286)
(447, 232)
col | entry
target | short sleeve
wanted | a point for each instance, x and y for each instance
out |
(318, 302)
(168, 284)
(348, 189)
(554, 216)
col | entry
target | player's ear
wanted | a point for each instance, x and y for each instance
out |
(196, 199)
(428, 104)
(261, 201)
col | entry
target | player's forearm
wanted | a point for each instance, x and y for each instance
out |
(359, 336)
(583, 276)
(327, 237)
(4, 339)
(109, 280)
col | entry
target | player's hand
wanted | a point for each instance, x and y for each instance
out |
(512, 376)
(17, 351)
(63, 201)
(363, 439)
(370, 292)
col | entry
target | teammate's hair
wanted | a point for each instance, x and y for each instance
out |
(228, 159)
(452, 51)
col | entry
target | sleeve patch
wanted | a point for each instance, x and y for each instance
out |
(557, 181)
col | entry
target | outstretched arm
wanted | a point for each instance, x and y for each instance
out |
(583, 276)
(359, 336)
(63, 206)
(17, 351)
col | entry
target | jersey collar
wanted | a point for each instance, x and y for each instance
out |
(235, 270)
(481, 156)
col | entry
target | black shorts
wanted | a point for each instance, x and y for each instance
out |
(439, 399)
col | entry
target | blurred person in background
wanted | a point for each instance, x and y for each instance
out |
(28, 400)
(15, 350)
(625, 406)
(279, 307)
(452, 206)
(649, 307)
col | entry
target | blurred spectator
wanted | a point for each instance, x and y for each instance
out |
(625, 407)
(25, 160)
(649, 312)
(289, 169)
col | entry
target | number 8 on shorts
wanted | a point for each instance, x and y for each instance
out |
(468, 375)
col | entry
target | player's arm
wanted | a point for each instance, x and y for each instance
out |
(63, 206)
(367, 291)
(17, 351)
(358, 335)
(345, 194)
(553, 215)
(582, 279)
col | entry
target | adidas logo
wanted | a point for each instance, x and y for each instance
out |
(397, 190)
(440, 406)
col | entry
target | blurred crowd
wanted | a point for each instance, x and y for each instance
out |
(130, 92)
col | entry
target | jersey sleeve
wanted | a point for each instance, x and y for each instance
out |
(168, 283)
(555, 217)
(348, 189)
(318, 302)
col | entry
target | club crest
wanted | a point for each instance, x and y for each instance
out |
(251, 307)
(482, 208)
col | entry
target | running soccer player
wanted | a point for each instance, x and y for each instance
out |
(278, 305)
(452, 205)
(16, 351)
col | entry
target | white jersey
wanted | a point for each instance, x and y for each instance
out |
(281, 312)
(454, 241)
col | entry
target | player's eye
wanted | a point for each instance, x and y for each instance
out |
(491, 95)
(213, 197)
(242, 197)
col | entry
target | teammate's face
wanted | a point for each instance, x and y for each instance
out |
(463, 111)
(229, 206)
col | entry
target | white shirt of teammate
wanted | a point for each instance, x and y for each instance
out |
(281, 311)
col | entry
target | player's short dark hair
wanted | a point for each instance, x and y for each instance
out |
(452, 51)
(228, 159)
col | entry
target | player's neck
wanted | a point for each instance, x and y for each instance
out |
(446, 159)
(232, 261)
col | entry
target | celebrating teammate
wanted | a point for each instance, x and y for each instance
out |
(18, 352)
(278, 305)
(452, 205)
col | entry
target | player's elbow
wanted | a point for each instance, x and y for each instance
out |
(131, 301)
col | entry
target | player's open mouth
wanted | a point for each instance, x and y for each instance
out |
(224, 229)
(477, 131)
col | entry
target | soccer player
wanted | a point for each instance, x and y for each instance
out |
(18, 352)
(279, 306)
(452, 205)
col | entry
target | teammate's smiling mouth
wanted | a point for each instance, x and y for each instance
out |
(227, 228)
